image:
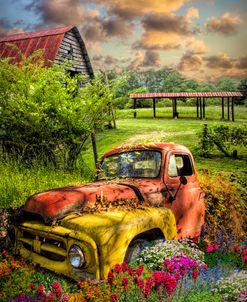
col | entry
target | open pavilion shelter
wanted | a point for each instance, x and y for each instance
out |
(201, 98)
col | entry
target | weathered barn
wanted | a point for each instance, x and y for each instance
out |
(59, 44)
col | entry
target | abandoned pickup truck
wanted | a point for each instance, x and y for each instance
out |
(141, 193)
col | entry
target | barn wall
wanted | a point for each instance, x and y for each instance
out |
(70, 42)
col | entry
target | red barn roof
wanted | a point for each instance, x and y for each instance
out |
(48, 39)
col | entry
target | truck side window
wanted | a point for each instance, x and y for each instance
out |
(179, 164)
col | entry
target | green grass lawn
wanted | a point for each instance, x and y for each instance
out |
(18, 182)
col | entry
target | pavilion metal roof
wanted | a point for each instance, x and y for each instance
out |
(184, 94)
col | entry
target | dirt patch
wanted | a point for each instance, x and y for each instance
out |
(155, 136)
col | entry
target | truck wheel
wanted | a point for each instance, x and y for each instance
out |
(135, 249)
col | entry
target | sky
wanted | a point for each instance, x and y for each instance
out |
(202, 39)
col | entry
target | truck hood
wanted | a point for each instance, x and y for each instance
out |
(58, 203)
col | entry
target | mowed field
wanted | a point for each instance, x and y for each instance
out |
(17, 182)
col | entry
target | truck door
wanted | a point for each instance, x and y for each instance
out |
(188, 205)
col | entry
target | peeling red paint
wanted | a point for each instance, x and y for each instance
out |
(187, 206)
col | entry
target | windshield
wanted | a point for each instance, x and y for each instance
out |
(138, 164)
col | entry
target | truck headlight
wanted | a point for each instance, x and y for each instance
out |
(76, 256)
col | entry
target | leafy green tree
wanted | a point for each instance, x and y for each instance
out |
(242, 87)
(44, 114)
(226, 84)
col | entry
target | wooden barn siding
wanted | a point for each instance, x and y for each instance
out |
(78, 59)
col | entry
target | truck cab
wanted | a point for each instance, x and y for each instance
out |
(141, 193)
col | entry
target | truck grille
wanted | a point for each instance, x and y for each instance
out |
(50, 248)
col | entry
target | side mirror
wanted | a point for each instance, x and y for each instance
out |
(183, 180)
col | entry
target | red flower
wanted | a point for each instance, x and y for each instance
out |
(124, 267)
(125, 281)
(205, 266)
(110, 277)
(244, 251)
(237, 248)
(195, 274)
(182, 272)
(57, 288)
(170, 269)
(40, 288)
(245, 257)
(195, 239)
(140, 283)
(32, 286)
(117, 268)
(177, 276)
(166, 262)
(148, 287)
(114, 297)
(139, 270)
(131, 271)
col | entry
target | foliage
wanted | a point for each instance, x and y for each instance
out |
(224, 137)
(242, 87)
(225, 206)
(226, 84)
(45, 115)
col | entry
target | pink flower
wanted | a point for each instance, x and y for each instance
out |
(114, 297)
(244, 251)
(245, 257)
(216, 247)
(110, 277)
(124, 267)
(125, 281)
(117, 268)
(50, 297)
(65, 297)
(40, 289)
(195, 274)
(167, 262)
(210, 248)
(205, 266)
(139, 270)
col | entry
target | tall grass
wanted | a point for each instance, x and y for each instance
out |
(17, 182)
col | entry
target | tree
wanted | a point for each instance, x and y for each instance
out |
(226, 84)
(242, 87)
(44, 115)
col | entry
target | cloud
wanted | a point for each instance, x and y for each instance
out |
(151, 58)
(58, 11)
(163, 31)
(226, 25)
(242, 63)
(193, 58)
(132, 9)
(221, 60)
(7, 29)
(117, 27)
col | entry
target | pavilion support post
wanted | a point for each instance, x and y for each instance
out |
(134, 108)
(175, 114)
(200, 101)
(233, 109)
(203, 108)
(154, 107)
(197, 107)
(228, 109)
(222, 108)
(173, 108)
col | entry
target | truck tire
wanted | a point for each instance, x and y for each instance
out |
(135, 249)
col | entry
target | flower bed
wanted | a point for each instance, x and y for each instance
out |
(174, 271)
